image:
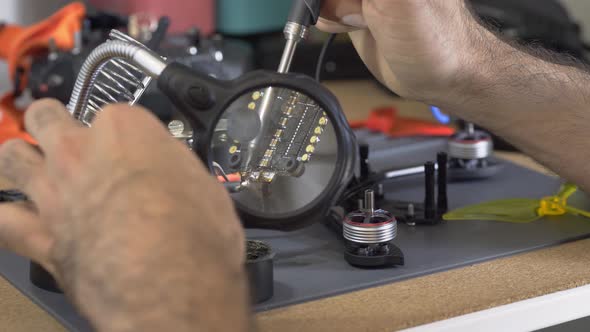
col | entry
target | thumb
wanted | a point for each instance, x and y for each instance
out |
(22, 232)
(341, 16)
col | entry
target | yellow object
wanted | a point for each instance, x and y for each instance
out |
(305, 157)
(323, 121)
(256, 95)
(313, 139)
(233, 149)
(252, 106)
(521, 210)
(557, 205)
(318, 131)
(310, 149)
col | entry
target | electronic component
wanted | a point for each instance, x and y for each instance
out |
(281, 145)
(470, 153)
(369, 235)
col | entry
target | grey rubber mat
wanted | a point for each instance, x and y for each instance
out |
(310, 264)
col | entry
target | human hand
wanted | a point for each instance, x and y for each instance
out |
(416, 47)
(126, 218)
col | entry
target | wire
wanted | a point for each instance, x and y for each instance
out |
(322, 57)
(221, 172)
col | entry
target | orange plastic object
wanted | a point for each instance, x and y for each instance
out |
(11, 121)
(387, 121)
(18, 43)
(233, 178)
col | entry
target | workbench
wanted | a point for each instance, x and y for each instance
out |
(487, 295)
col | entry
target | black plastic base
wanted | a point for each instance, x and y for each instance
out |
(42, 279)
(395, 257)
(260, 271)
(491, 168)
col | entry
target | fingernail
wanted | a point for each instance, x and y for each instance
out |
(355, 20)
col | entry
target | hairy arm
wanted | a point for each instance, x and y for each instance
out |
(537, 100)
(437, 52)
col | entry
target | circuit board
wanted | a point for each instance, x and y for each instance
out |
(282, 142)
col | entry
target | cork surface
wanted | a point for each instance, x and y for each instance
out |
(399, 305)
(19, 314)
(440, 296)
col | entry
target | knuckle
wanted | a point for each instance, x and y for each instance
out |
(45, 112)
(12, 147)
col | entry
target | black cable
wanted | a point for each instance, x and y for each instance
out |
(322, 57)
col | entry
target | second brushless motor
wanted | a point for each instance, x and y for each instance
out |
(470, 153)
(368, 234)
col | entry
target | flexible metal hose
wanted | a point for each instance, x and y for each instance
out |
(150, 63)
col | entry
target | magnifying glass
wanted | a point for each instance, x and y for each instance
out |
(279, 142)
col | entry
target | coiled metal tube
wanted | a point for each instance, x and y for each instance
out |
(125, 54)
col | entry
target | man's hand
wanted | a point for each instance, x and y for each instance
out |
(132, 225)
(437, 52)
(415, 47)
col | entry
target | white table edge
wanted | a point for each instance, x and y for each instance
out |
(528, 315)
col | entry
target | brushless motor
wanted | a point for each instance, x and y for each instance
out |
(369, 233)
(471, 144)
(470, 153)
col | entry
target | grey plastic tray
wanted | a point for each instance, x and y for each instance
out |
(310, 264)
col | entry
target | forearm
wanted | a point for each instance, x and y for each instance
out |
(535, 100)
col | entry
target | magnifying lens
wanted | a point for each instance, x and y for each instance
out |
(279, 142)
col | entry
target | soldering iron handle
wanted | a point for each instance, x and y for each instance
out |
(305, 12)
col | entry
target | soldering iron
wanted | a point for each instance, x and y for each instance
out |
(303, 14)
